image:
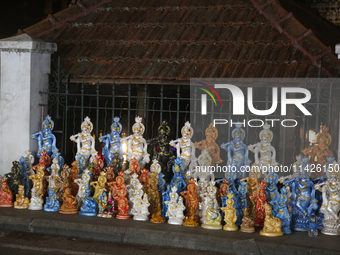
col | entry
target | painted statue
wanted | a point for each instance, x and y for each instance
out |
(267, 160)
(112, 149)
(191, 204)
(175, 208)
(46, 139)
(161, 149)
(85, 141)
(184, 147)
(318, 153)
(6, 196)
(178, 179)
(83, 184)
(261, 200)
(237, 152)
(209, 144)
(282, 211)
(89, 207)
(23, 176)
(272, 225)
(272, 192)
(52, 204)
(99, 186)
(136, 144)
(21, 201)
(247, 222)
(330, 202)
(36, 202)
(302, 201)
(203, 171)
(211, 216)
(70, 204)
(13, 177)
(229, 214)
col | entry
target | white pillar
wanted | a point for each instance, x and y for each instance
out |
(25, 65)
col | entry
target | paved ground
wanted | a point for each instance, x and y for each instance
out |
(164, 235)
(13, 242)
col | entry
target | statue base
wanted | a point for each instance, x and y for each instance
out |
(157, 220)
(123, 216)
(68, 211)
(88, 213)
(190, 222)
(105, 215)
(35, 207)
(262, 233)
(215, 227)
(49, 209)
(20, 206)
(331, 227)
(6, 205)
(141, 217)
(175, 221)
(247, 230)
(230, 228)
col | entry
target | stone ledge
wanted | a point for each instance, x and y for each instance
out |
(139, 233)
(27, 43)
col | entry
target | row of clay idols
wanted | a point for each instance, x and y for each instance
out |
(136, 147)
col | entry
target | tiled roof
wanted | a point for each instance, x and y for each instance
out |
(181, 39)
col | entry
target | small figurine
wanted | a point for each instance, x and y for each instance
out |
(52, 204)
(81, 163)
(89, 207)
(247, 222)
(320, 151)
(54, 181)
(161, 150)
(112, 149)
(211, 217)
(6, 196)
(85, 141)
(209, 144)
(23, 177)
(157, 217)
(165, 198)
(261, 200)
(173, 208)
(99, 186)
(134, 167)
(178, 179)
(46, 139)
(36, 202)
(74, 171)
(110, 205)
(282, 211)
(123, 205)
(59, 159)
(30, 161)
(98, 164)
(136, 144)
(102, 204)
(330, 202)
(184, 147)
(13, 178)
(236, 205)
(21, 201)
(272, 226)
(178, 216)
(191, 204)
(222, 192)
(44, 160)
(110, 176)
(272, 192)
(83, 184)
(230, 214)
(156, 167)
(202, 171)
(70, 205)
(64, 179)
(267, 162)
(303, 201)
(144, 180)
(37, 180)
(237, 152)
(242, 191)
(140, 210)
(153, 194)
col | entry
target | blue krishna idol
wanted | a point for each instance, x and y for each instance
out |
(89, 207)
(112, 149)
(46, 140)
(178, 179)
(237, 152)
(272, 192)
(303, 201)
(52, 204)
(282, 211)
(23, 176)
